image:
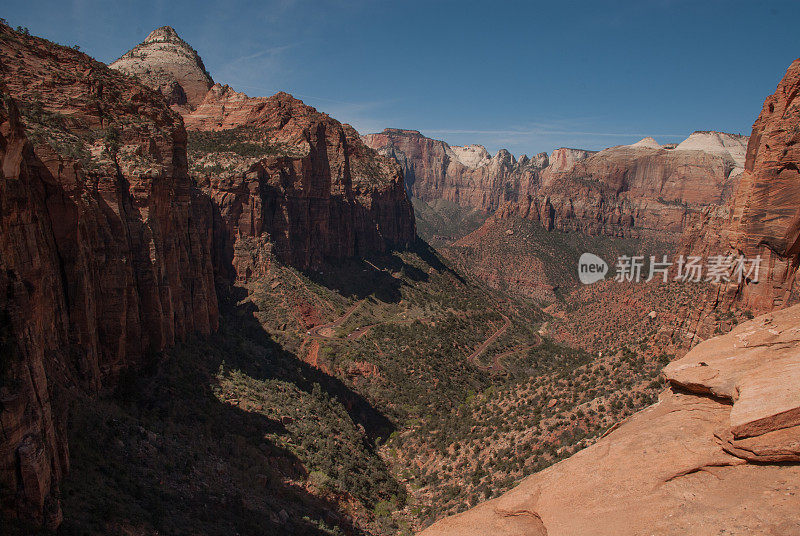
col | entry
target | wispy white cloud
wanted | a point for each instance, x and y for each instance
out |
(270, 63)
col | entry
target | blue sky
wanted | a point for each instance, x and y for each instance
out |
(527, 76)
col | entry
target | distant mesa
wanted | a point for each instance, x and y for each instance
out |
(732, 146)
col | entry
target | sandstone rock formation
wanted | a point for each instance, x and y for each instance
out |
(631, 190)
(561, 160)
(762, 219)
(468, 176)
(719, 451)
(169, 65)
(292, 180)
(316, 193)
(732, 147)
(109, 251)
(628, 190)
(105, 250)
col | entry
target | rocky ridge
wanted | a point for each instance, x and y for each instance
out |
(467, 176)
(761, 219)
(628, 190)
(631, 190)
(295, 180)
(111, 251)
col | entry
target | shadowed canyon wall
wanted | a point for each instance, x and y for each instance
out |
(111, 244)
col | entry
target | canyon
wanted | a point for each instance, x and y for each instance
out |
(216, 317)
(111, 250)
(725, 432)
(719, 449)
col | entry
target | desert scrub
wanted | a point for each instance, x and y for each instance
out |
(242, 141)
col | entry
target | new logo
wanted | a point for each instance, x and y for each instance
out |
(591, 269)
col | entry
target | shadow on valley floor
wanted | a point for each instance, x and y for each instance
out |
(283, 365)
(378, 275)
(224, 435)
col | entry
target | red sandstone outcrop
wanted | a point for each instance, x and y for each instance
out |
(561, 160)
(108, 250)
(169, 65)
(318, 193)
(468, 175)
(632, 190)
(105, 249)
(718, 451)
(763, 218)
(293, 181)
(628, 190)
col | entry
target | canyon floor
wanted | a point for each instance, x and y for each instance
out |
(373, 396)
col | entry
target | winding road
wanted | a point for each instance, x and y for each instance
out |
(317, 331)
(485, 344)
(496, 367)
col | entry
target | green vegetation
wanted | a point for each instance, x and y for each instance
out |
(221, 436)
(379, 407)
(243, 141)
(52, 128)
(442, 222)
(516, 247)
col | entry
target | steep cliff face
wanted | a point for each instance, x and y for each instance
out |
(286, 175)
(628, 190)
(719, 449)
(561, 160)
(468, 176)
(632, 190)
(286, 178)
(106, 249)
(169, 65)
(763, 217)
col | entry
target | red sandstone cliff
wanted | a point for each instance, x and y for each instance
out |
(763, 217)
(108, 249)
(311, 189)
(282, 175)
(105, 249)
(628, 190)
(468, 176)
(632, 190)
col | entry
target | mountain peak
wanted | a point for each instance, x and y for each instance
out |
(730, 146)
(647, 143)
(166, 63)
(165, 33)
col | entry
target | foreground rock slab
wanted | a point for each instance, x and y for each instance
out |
(684, 465)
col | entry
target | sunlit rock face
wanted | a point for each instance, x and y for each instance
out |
(169, 65)
(762, 219)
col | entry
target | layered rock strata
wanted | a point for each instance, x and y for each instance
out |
(105, 248)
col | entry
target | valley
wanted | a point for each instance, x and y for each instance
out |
(223, 314)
